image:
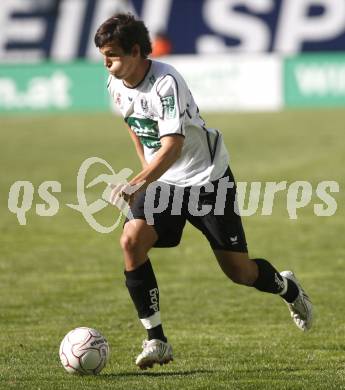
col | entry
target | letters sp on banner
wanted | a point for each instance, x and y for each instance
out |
(64, 30)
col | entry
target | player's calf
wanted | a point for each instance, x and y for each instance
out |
(237, 266)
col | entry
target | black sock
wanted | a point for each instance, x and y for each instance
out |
(156, 333)
(291, 292)
(143, 289)
(269, 280)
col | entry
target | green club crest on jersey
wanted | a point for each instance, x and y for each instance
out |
(147, 131)
(169, 108)
(152, 80)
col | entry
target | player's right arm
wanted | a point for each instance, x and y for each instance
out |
(138, 147)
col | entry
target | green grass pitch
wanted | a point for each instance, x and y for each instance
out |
(57, 273)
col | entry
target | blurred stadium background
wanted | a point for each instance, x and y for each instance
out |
(237, 55)
(271, 75)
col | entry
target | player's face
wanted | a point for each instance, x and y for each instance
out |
(119, 64)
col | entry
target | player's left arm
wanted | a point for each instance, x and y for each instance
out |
(138, 147)
(167, 155)
(169, 152)
(170, 103)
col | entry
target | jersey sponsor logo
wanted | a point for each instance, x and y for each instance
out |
(169, 108)
(147, 131)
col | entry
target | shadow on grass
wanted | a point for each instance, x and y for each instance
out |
(156, 374)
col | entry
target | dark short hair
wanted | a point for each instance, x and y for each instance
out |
(126, 31)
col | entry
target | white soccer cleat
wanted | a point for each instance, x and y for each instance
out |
(301, 309)
(154, 351)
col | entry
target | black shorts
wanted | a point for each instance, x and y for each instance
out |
(222, 226)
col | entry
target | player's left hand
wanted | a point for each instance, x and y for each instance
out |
(124, 192)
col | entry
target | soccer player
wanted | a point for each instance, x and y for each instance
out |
(176, 149)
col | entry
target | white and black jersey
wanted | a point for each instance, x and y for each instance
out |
(162, 105)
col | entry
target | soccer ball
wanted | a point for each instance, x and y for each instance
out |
(84, 351)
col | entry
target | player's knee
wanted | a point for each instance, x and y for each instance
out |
(129, 243)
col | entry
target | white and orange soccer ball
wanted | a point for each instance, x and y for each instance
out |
(84, 351)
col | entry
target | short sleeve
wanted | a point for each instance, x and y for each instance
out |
(171, 104)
